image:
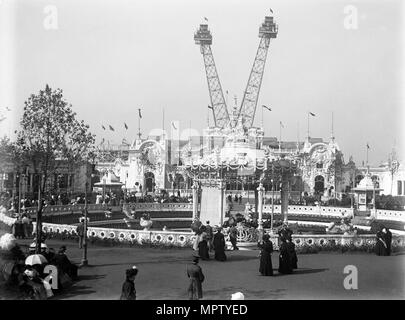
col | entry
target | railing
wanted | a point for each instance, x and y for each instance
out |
(181, 239)
(327, 211)
(148, 206)
(391, 215)
(66, 209)
(139, 206)
(185, 239)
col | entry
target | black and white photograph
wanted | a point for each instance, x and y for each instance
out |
(204, 150)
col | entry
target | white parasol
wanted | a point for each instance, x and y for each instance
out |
(35, 259)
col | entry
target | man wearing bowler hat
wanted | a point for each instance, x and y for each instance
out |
(196, 276)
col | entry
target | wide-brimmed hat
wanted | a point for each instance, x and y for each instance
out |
(132, 272)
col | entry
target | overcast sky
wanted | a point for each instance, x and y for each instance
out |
(112, 57)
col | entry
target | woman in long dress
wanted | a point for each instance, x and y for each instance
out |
(203, 246)
(219, 246)
(388, 240)
(292, 253)
(380, 246)
(266, 246)
(284, 258)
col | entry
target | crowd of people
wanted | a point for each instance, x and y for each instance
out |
(24, 273)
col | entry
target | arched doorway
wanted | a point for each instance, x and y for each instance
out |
(149, 184)
(319, 185)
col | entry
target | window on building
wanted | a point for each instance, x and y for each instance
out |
(399, 190)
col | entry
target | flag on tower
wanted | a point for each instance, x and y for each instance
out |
(174, 127)
(271, 10)
(210, 107)
(111, 128)
(205, 18)
(103, 127)
(140, 115)
(126, 127)
(266, 107)
(312, 114)
(368, 147)
(281, 124)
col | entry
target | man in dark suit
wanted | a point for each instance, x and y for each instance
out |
(196, 276)
(80, 232)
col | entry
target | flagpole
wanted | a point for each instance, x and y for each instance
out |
(262, 120)
(139, 123)
(308, 126)
(279, 143)
(367, 154)
(163, 124)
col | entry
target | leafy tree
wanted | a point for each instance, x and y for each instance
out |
(51, 135)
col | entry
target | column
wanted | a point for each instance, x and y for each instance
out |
(195, 200)
(284, 197)
(260, 193)
(221, 199)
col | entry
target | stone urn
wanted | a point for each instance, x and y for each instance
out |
(145, 224)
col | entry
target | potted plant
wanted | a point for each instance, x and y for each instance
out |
(145, 222)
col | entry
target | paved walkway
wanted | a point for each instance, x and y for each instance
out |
(162, 275)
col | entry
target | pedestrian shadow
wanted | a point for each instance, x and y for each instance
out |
(232, 257)
(91, 277)
(308, 271)
(73, 291)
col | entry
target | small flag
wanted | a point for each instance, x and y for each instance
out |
(281, 124)
(174, 126)
(271, 10)
(103, 127)
(368, 147)
(205, 18)
(266, 107)
(312, 114)
(210, 107)
(140, 115)
(126, 127)
(111, 128)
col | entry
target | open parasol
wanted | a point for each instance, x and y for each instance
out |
(35, 259)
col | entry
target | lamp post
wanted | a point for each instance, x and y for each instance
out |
(260, 191)
(272, 205)
(84, 262)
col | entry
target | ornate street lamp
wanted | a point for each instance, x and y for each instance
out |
(272, 205)
(85, 262)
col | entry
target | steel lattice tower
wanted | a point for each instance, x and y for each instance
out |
(247, 109)
(203, 38)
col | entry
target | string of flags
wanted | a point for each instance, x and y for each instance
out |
(112, 128)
